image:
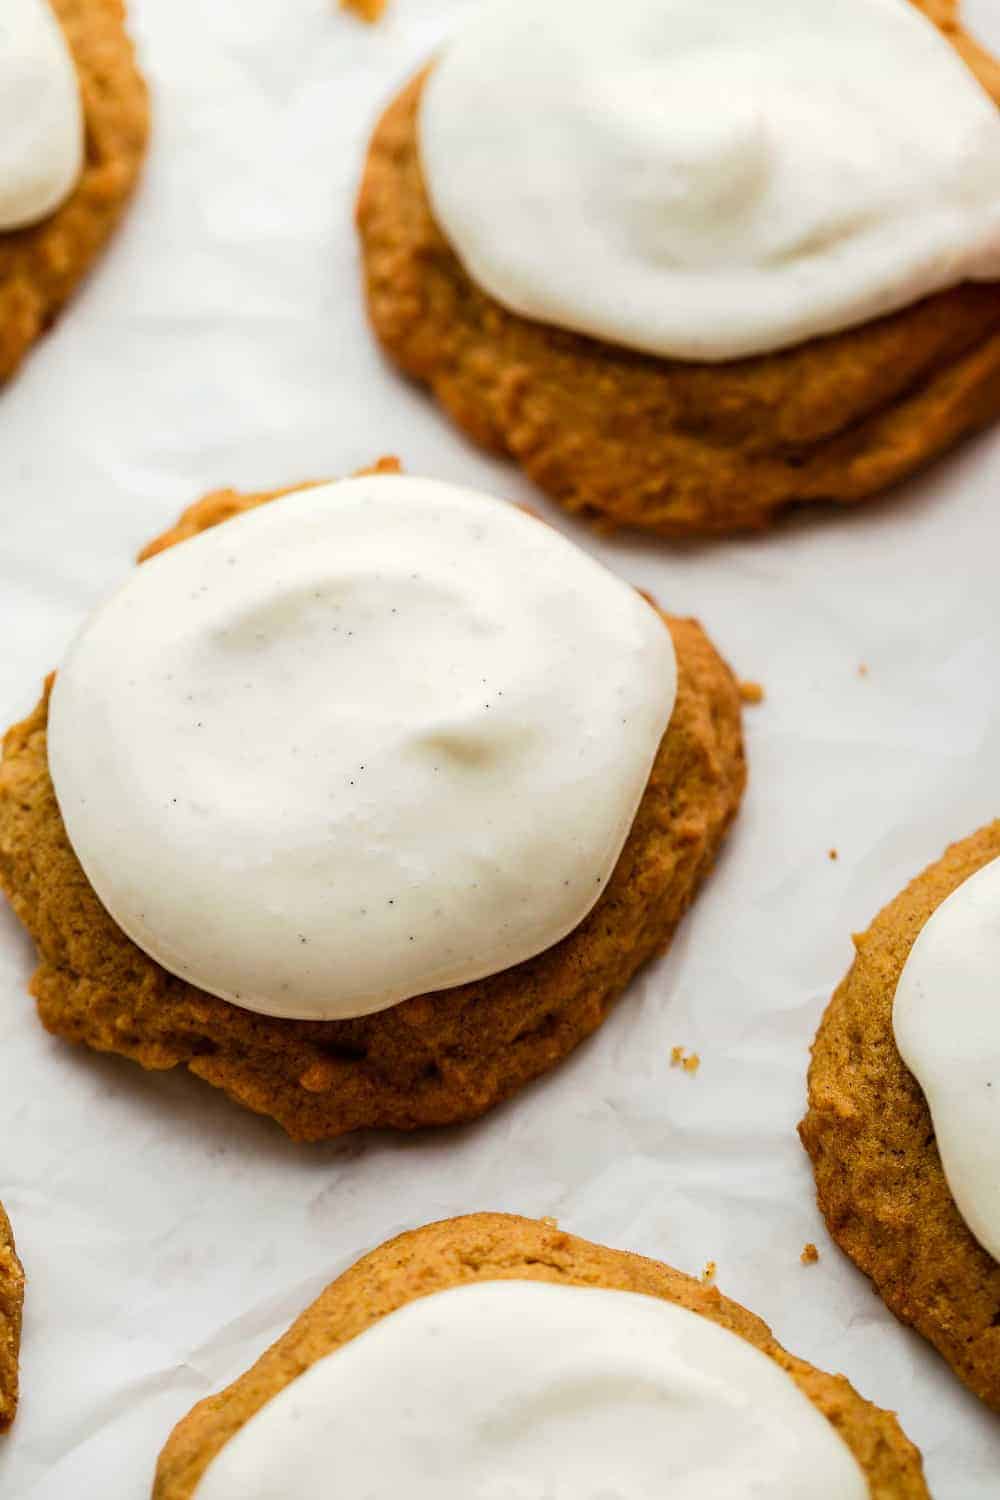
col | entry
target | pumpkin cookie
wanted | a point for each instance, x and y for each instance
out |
(11, 1302)
(879, 1173)
(499, 1248)
(435, 1058)
(675, 446)
(42, 263)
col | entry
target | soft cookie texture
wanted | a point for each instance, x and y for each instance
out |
(11, 1302)
(433, 1060)
(672, 446)
(502, 1247)
(41, 266)
(868, 1130)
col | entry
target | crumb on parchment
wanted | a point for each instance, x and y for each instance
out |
(708, 1274)
(863, 669)
(368, 10)
(680, 1057)
(751, 692)
(834, 854)
(810, 1255)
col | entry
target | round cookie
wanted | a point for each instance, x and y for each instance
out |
(40, 266)
(501, 1247)
(11, 1303)
(675, 447)
(868, 1130)
(433, 1060)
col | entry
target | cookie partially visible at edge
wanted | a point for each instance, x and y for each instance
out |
(868, 1130)
(502, 1247)
(41, 266)
(11, 1304)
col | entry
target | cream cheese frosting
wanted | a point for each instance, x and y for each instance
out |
(369, 740)
(708, 181)
(513, 1390)
(41, 117)
(946, 1019)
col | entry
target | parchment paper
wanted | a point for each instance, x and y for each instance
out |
(168, 1237)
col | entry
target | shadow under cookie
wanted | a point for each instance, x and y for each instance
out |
(869, 1132)
(499, 1247)
(435, 1059)
(41, 266)
(674, 447)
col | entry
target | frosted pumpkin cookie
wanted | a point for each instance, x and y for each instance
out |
(904, 1108)
(661, 260)
(498, 1351)
(11, 1303)
(73, 124)
(364, 805)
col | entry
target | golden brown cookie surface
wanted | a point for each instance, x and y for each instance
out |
(435, 1059)
(673, 446)
(868, 1130)
(11, 1303)
(502, 1247)
(41, 266)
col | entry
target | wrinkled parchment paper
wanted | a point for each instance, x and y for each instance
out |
(168, 1237)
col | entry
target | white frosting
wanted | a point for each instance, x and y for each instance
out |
(522, 1390)
(41, 118)
(370, 740)
(946, 1017)
(710, 180)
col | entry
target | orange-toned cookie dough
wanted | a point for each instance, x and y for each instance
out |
(432, 1060)
(11, 1303)
(41, 266)
(672, 446)
(869, 1132)
(501, 1247)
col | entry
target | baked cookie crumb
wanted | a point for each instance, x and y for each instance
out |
(752, 692)
(369, 10)
(708, 1274)
(810, 1255)
(680, 1057)
(833, 854)
(863, 669)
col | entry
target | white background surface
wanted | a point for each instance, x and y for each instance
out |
(167, 1236)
